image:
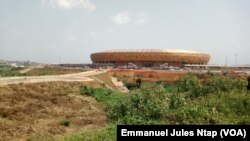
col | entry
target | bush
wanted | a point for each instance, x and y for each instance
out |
(102, 134)
(85, 90)
(130, 85)
(209, 99)
(10, 72)
(146, 105)
(176, 101)
(248, 80)
(65, 122)
(188, 83)
(102, 94)
(138, 81)
(211, 84)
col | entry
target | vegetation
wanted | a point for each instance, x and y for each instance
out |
(53, 71)
(134, 85)
(65, 122)
(194, 99)
(105, 78)
(101, 134)
(10, 71)
(248, 86)
(46, 110)
(103, 95)
(210, 84)
(146, 105)
(5, 72)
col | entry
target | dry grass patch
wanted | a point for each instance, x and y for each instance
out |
(54, 71)
(47, 109)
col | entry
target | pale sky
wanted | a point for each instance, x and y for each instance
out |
(68, 31)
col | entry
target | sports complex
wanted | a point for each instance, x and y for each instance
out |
(149, 58)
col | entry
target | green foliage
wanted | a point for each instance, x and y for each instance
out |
(84, 90)
(131, 85)
(6, 72)
(176, 101)
(248, 80)
(194, 99)
(172, 87)
(134, 85)
(210, 84)
(65, 122)
(203, 99)
(102, 94)
(138, 81)
(102, 134)
(188, 83)
(209, 99)
(146, 105)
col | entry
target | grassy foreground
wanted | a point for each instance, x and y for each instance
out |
(53, 71)
(75, 111)
(205, 99)
(47, 70)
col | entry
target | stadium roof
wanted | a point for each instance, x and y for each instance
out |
(151, 50)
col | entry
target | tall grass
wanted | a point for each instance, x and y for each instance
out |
(208, 99)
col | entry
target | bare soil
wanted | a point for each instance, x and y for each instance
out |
(45, 109)
(147, 75)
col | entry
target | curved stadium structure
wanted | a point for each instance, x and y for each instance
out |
(149, 57)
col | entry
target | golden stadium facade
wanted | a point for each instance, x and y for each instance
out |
(149, 57)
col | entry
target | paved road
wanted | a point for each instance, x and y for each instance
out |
(83, 76)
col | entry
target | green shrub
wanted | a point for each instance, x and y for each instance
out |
(101, 134)
(204, 99)
(188, 83)
(146, 105)
(131, 85)
(65, 122)
(176, 101)
(102, 94)
(10, 72)
(138, 81)
(85, 90)
(248, 80)
(211, 84)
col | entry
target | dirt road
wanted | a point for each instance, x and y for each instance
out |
(30, 68)
(83, 76)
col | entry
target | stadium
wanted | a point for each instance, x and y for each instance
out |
(149, 58)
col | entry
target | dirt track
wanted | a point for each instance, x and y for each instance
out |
(83, 76)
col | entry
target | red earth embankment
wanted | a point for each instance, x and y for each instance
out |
(148, 75)
(164, 75)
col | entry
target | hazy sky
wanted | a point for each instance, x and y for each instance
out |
(68, 31)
